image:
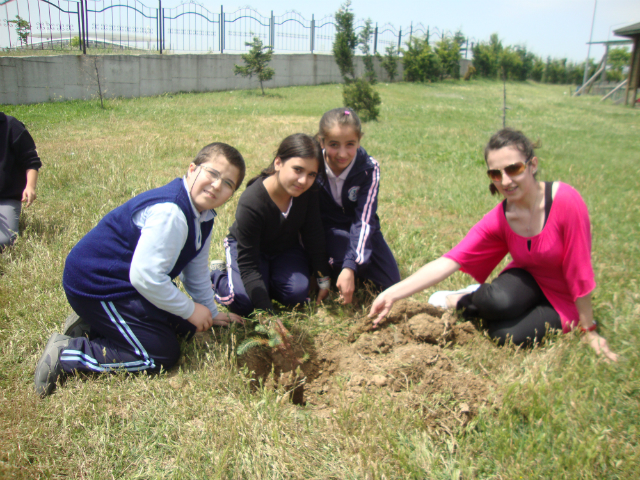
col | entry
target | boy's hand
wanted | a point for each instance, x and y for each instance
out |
(29, 195)
(201, 318)
(224, 319)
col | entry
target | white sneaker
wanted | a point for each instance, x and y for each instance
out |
(439, 299)
(218, 265)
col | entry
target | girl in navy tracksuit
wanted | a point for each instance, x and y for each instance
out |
(348, 203)
(118, 278)
(276, 242)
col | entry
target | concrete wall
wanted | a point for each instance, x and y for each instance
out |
(26, 80)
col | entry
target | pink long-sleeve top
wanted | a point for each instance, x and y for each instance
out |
(559, 258)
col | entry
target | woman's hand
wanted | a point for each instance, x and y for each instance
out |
(201, 318)
(346, 285)
(225, 319)
(322, 294)
(599, 344)
(381, 307)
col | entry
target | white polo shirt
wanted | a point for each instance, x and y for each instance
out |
(336, 182)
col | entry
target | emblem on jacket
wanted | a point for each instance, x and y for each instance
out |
(353, 193)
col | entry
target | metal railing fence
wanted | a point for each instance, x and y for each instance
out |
(187, 28)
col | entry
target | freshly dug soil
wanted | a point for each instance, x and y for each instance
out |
(406, 355)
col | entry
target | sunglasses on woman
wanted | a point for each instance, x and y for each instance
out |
(511, 170)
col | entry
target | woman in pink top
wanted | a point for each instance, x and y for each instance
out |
(546, 229)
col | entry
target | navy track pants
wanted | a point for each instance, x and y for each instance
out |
(381, 269)
(286, 275)
(130, 334)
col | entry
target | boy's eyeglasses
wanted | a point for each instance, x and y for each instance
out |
(214, 175)
(511, 170)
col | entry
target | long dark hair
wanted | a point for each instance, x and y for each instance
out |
(297, 145)
(508, 137)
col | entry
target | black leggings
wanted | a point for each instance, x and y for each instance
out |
(512, 307)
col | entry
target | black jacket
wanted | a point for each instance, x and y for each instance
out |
(17, 155)
(260, 228)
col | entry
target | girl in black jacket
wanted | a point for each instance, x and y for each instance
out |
(277, 241)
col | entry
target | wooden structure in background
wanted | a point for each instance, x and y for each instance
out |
(633, 81)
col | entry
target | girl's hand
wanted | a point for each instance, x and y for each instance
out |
(381, 307)
(225, 319)
(201, 318)
(346, 285)
(322, 294)
(29, 195)
(599, 344)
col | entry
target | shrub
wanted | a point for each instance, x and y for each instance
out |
(471, 71)
(537, 71)
(390, 62)
(420, 63)
(448, 51)
(360, 96)
(486, 57)
(364, 38)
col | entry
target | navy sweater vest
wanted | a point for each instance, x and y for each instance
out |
(98, 266)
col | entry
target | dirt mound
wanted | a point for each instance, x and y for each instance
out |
(406, 355)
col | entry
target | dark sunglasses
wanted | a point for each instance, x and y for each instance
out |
(511, 170)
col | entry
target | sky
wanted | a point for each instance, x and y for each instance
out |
(556, 28)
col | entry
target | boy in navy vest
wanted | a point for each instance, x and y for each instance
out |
(118, 278)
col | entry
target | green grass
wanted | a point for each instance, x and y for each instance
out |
(564, 412)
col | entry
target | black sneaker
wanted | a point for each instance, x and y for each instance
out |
(49, 369)
(75, 327)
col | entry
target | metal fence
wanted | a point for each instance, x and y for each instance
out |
(187, 28)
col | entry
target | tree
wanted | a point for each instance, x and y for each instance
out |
(390, 62)
(363, 39)
(420, 62)
(510, 64)
(618, 59)
(356, 92)
(345, 42)
(486, 57)
(537, 71)
(256, 62)
(448, 51)
(23, 29)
